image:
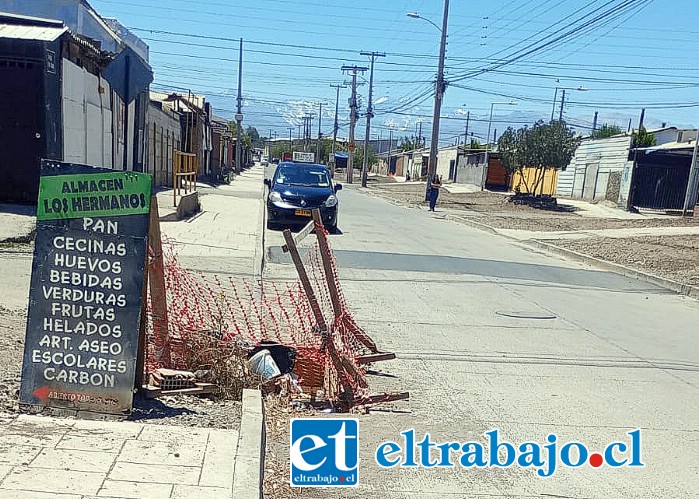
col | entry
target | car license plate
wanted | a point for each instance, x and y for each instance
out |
(303, 213)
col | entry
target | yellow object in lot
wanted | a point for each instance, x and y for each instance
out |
(525, 181)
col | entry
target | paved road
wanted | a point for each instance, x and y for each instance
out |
(619, 355)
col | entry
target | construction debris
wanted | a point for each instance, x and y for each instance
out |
(163, 382)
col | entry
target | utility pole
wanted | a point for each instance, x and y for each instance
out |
(468, 117)
(308, 132)
(320, 118)
(291, 141)
(563, 99)
(239, 113)
(337, 107)
(421, 139)
(369, 114)
(594, 122)
(440, 87)
(640, 121)
(353, 118)
(305, 133)
(269, 146)
(388, 154)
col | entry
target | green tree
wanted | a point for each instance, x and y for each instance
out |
(606, 131)
(544, 146)
(409, 144)
(359, 156)
(247, 140)
(642, 138)
(255, 138)
(278, 149)
(474, 145)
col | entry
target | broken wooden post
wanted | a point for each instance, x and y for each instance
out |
(325, 254)
(142, 329)
(301, 235)
(327, 263)
(158, 297)
(305, 282)
(375, 357)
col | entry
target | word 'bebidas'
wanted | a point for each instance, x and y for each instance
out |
(84, 280)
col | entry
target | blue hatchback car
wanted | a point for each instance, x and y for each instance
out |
(298, 188)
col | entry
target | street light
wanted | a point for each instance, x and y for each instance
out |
(415, 15)
(438, 94)
(555, 96)
(487, 139)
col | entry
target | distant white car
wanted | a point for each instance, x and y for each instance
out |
(264, 161)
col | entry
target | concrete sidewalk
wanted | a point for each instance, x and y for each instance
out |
(226, 236)
(44, 457)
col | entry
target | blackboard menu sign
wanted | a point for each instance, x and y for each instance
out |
(85, 297)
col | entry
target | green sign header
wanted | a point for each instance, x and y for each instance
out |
(93, 195)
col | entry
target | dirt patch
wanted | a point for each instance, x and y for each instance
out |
(671, 257)
(494, 209)
(175, 410)
(573, 222)
(278, 414)
(12, 328)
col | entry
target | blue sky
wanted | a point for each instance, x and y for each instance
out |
(644, 56)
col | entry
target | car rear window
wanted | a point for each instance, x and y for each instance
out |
(303, 175)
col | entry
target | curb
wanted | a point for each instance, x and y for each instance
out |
(22, 239)
(677, 287)
(249, 465)
(477, 225)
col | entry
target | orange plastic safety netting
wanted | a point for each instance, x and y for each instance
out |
(205, 310)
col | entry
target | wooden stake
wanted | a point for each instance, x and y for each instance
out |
(158, 296)
(362, 337)
(141, 352)
(375, 357)
(382, 397)
(301, 235)
(305, 282)
(327, 263)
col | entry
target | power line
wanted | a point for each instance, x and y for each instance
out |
(572, 29)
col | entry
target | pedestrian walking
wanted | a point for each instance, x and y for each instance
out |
(434, 190)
